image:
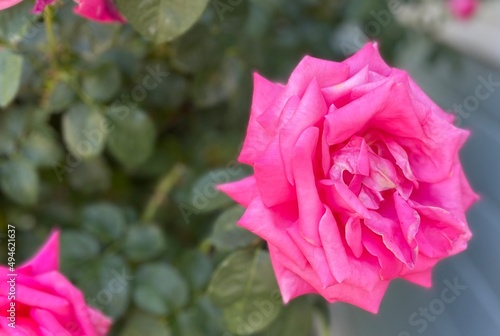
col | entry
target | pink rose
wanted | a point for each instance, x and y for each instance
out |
(463, 9)
(99, 10)
(356, 181)
(38, 8)
(46, 303)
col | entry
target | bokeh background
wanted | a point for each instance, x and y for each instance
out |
(135, 199)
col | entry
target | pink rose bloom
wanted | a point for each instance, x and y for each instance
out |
(46, 303)
(38, 8)
(463, 9)
(357, 179)
(99, 10)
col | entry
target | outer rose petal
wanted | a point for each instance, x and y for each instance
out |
(99, 10)
(8, 3)
(243, 191)
(257, 138)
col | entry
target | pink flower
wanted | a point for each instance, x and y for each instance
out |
(37, 9)
(463, 9)
(4, 4)
(99, 10)
(356, 181)
(46, 303)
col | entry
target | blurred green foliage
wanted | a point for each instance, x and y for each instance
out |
(119, 142)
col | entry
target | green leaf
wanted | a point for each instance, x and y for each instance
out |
(19, 181)
(116, 279)
(103, 83)
(132, 138)
(245, 287)
(17, 23)
(227, 235)
(77, 248)
(141, 323)
(201, 319)
(162, 20)
(11, 66)
(61, 97)
(295, 319)
(144, 242)
(84, 131)
(197, 268)
(217, 85)
(160, 289)
(42, 147)
(104, 220)
(90, 176)
(204, 196)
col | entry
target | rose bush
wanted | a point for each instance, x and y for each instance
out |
(46, 303)
(357, 179)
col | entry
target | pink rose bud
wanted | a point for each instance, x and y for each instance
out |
(357, 179)
(463, 9)
(45, 302)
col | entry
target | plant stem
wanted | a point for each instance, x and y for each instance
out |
(48, 18)
(161, 192)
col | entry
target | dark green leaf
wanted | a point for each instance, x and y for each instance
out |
(10, 75)
(144, 242)
(245, 287)
(84, 131)
(132, 138)
(19, 181)
(160, 289)
(162, 20)
(104, 220)
(226, 234)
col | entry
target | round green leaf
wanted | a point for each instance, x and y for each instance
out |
(295, 319)
(245, 286)
(144, 242)
(90, 176)
(197, 268)
(226, 234)
(84, 131)
(141, 323)
(77, 248)
(10, 75)
(103, 83)
(204, 194)
(42, 147)
(19, 181)
(162, 20)
(104, 220)
(116, 286)
(133, 137)
(160, 288)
